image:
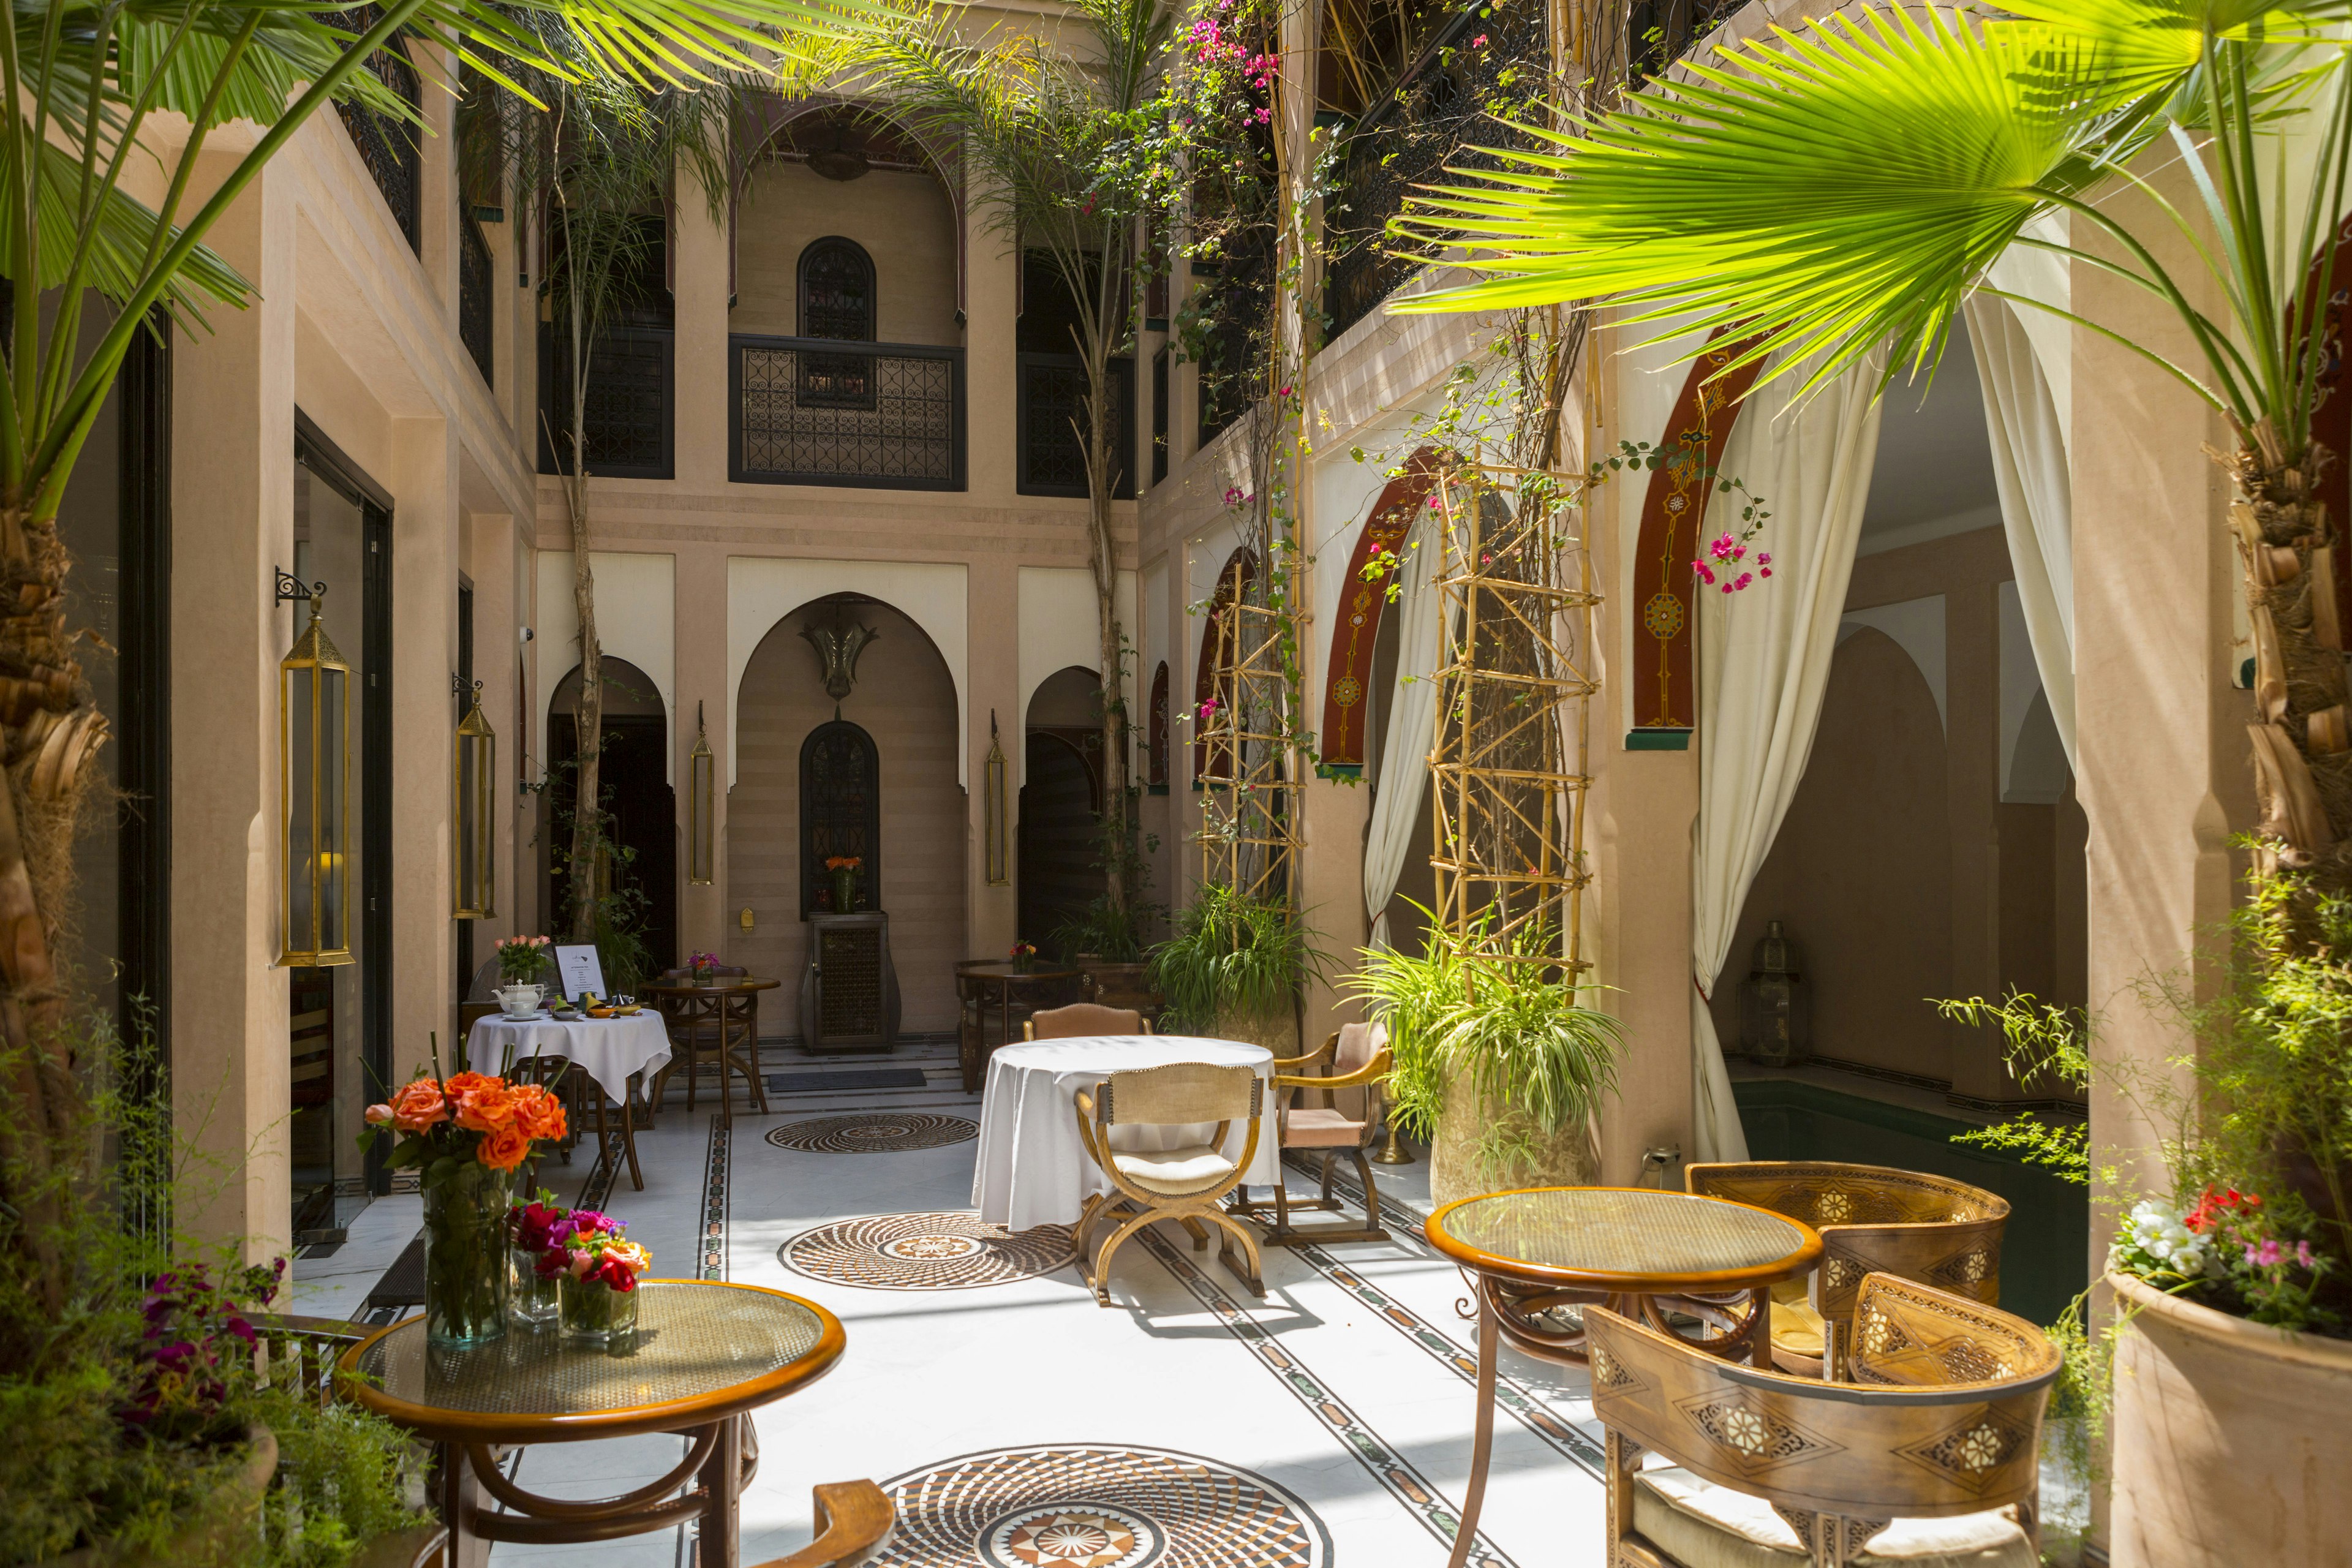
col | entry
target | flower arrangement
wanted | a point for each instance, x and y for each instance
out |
(531, 1230)
(845, 863)
(596, 1267)
(521, 959)
(702, 963)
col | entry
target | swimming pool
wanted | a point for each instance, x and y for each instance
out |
(2045, 1247)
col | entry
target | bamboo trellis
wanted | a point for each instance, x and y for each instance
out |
(1513, 727)
(1250, 807)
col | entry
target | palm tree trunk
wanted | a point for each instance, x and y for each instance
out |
(588, 713)
(1104, 563)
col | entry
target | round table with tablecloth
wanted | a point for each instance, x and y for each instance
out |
(610, 1050)
(1032, 1169)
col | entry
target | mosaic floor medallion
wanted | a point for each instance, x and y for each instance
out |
(925, 1252)
(875, 1132)
(1084, 1507)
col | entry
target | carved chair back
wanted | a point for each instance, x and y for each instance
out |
(1945, 1418)
(1939, 1232)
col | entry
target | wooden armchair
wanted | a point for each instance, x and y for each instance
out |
(1358, 1058)
(1939, 1232)
(854, 1520)
(1183, 1184)
(1932, 1452)
(1083, 1018)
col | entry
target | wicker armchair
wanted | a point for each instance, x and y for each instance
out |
(1183, 1184)
(1939, 1232)
(854, 1520)
(1358, 1058)
(1933, 1451)
(1082, 1018)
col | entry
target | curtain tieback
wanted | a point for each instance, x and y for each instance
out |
(1702, 991)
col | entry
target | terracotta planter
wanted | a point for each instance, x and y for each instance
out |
(2230, 1444)
(220, 1532)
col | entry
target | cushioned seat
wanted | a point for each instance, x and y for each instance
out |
(1174, 1172)
(1332, 1114)
(1314, 1127)
(1796, 1326)
(1706, 1526)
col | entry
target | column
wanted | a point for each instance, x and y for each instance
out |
(424, 564)
(991, 316)
(700, 418)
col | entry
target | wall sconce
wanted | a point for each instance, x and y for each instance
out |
(745, 918)
(314, 764)
(472, 812)
(699, 771)
(998, 876)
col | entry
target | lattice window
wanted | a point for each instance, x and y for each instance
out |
(392, 149)
(837, 291)
(892, 419)
(1053, 419)
(476, 302)
(840, 813)
(1158, 777)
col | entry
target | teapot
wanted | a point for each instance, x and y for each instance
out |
(520, 1000)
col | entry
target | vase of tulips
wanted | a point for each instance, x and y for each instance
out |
(532, 1299)
(596, 1267)
(468, 1134)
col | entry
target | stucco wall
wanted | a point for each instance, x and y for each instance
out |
(904, 221)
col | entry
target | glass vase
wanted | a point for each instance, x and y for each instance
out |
(465, 1255)
(532, 1299)
(596, 1314)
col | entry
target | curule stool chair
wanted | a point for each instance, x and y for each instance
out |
(1183, 1184)
(1941, 1232)
(1359, 1059)
(1931, 1455)
(1083, 1018)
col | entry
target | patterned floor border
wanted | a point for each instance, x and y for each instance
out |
(1395, 1474)
(713, 1262)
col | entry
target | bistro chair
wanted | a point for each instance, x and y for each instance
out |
(1939, 1232)
(854, 1520)
(1184, 1183)
(1932, 1454)
(709, 1025)
(1082, 1018)
(1357, 1056)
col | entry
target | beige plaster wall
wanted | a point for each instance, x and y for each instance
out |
(904, 220)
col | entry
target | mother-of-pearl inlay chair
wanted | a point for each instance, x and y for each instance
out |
(1344, 1123)
(1184, 1183)
(1942, 1233)
(1929, 1459)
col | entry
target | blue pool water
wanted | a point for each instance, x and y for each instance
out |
(2045, 1248)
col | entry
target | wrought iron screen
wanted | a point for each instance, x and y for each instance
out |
(1488, 61)
(853, 1000)
(841, 811)
(476, 280)
(905, 430)
(393, 151)
(1240, 307)
(836, 304)
(1050, 416)
(1160, 417)
(627, 423)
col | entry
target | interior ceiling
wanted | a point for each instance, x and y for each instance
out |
(1934, 459)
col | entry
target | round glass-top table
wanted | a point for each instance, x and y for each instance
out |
(705, 1353)
(1537, 1251)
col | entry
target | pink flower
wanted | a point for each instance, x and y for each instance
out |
(2266, 1256)
(1767, 572)
(1744, 579)
(379, 1115)
(1763, 558)
(1705, 574)
(2302, 1254)
(1479, 42)
(1233, 495)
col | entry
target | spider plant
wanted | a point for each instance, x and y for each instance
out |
(1233, 960)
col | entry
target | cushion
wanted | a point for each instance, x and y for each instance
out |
(1701, 1525)
(1172, 1173)
(1795, 1327)
(1311, 1127)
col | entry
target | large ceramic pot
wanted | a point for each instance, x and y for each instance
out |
(1455, 1171)
(2230, 1443)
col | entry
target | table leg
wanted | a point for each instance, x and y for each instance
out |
(460, 1497)
(722, 1482)
(1482, 1448)
(1762, 1351)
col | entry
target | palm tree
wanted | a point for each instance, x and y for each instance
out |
(88, 77)
(1059, 140)
(1824, 194)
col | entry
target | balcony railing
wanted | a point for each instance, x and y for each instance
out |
(1238, 299)
(392, 149)
(627, 423)
(814, 411)
(476, 298)
(1053, 452)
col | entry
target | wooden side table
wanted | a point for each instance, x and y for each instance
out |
(727, 1015)
(1000, 986)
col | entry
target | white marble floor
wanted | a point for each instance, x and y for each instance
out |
(1346, 1388)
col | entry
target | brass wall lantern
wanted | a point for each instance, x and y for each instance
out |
(701, 770)
(314, 758)
(999, 875)
(1773, 1003)
(473, 812)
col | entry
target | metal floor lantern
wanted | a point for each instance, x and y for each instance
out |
(473, 812)
(314, 752)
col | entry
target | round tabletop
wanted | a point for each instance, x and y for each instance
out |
(1124, 1053)
(1632, 1239)
(1001, 969)
(705, 1350)
(727, 982)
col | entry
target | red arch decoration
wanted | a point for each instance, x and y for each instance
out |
(1212, 680)
(1665, 593)
(1347, 676)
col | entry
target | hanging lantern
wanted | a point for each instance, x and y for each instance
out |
(1773, 1003)
(999, 875)
(471, 812)
(314, 754)
(700, 772)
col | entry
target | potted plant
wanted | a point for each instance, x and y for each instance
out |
(1498, 1064)
(521, 960)
(1233, 967)
(596, 1267)
(705, 966)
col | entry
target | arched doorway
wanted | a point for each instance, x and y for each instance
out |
(1060, 863)
(635, 782)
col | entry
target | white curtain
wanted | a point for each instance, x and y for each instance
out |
(1397, 824)
(1763, 663)
(2028, 460)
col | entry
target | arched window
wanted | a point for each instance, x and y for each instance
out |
(841, 812)
(837, 290)
(1217, 685)
(1157, 777)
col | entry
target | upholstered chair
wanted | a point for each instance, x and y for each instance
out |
(1081, 1018)
(1931, 1454)
(1939, 1232)
(1335, 1112)
(1183, 1184)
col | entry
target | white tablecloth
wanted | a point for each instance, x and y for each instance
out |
(607, 1049)
(1032, 1169)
